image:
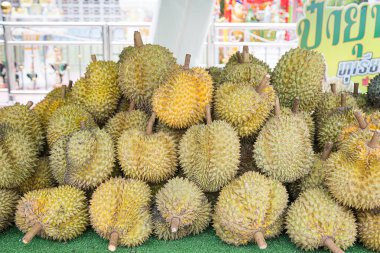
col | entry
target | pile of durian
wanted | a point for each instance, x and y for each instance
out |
(148, 147)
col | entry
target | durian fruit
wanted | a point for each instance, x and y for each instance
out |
(52, 101)
(180, 102)
(98, 92)
(8, 202)
(209, 154)
(353, 173)
(369, 229)
(119, 212)
(315, 220)
(182, 209)
(125, 120)
(59, 213)
(299, 73)
(18, 157)
(124, 54)
(245, 72)
(374, 92)
(67, 120)
(25, 121)
(40, 179)
(283, 149)
(149, 156)
(237, 58)
(144, 69)
(248, 208)
(244, 107)
(175, 133)
(85, 159)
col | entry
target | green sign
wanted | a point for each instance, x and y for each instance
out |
(348, 36)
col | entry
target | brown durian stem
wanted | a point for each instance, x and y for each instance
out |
(239, 57)
(137, 39)
(374, 142)
(296, 105)
(329, 243)
(32, 233)
(333, 88)
(260, 240)
(327, 150)
(93, 58)
(186, 65)
(277, 108)
(361, 121)
(356, 89)
(29, 104)
(114, 238)
(264, 83)
(208, 115)
(64, 91)
(174, 224)
(245, 57)
(70, 84)
(149, 127)
(83, 125)
(245, 49)
(343, 99)
(131, 106)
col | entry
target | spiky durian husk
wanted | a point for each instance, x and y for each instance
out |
(299, 73)
(153, 65)
(283, 148)
(99, 93)
(316, 178)
(62, 212)
(8, 202)
(175, 133)
(242, 107)
(40, 179)
(369, 229)
(24, 120)
(216, 75)
(18, 157)
(252, 59)
(307, 117)
(181, 101)
(374, 91)
(315, 216)
(249, 73)
(249, 204)
(373, 123)
(122, 206)
(209, 155)
(125, 53)
(123, 121)
(330, 129)
(151, 158)
(84, 159)
(67, 120)
(181, 198)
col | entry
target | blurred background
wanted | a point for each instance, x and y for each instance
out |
(46, 43)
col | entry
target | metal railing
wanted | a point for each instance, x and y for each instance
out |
(38, 55)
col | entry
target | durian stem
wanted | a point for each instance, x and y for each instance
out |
(29, 104)
(296, 105)
(343, 99)
(149, 127)
(83, 125)
(208, 115)
(245, 57)
(245, 49)
(327, 150)
(64, 91)
(329, 243)
(260, 240)
(70, 84)
(114, 238)
(32, 233)
(356, 89)
(277, 108)
(93, 58)
(333, 88)
(186, 65)
(131, 106)
(137, 39)
(374, 142)
(239, 57)
(264, 83)
(174, 224)
(361, 121)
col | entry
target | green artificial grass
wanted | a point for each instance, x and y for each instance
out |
(207, 242)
